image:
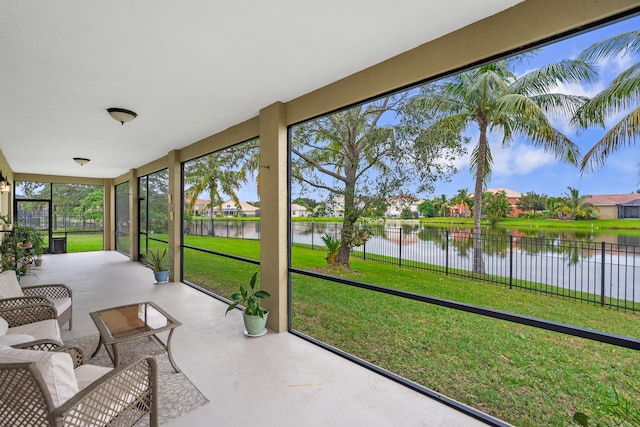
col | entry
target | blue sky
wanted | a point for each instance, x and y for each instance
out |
(524, 168)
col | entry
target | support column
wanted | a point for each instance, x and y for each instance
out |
(274, 210)
(175, 215)
(134, 215)
(108, 228)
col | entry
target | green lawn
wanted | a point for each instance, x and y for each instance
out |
(523, 375)
(84, 242)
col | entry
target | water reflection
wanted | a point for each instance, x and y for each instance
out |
(584, 265)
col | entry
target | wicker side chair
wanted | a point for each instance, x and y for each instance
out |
(121, 397)
(59, 294)
(28, 313)
(56, 294)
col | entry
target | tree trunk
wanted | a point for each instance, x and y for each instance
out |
(478, 261)
(346, 235)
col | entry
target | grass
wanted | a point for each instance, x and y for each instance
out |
(84, 242)
(526, 376)
(550, 224)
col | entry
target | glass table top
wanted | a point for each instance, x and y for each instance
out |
(135, 319)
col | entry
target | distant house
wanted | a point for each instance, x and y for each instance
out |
(229, 208)
(616, 206)
(460, 210)
(199, 205)
(335, 207)
(299, 210)
(512, 196)
(397, 204)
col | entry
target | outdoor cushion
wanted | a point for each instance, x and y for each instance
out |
(86, 374)
(61, 304)
(13, 339)
(4, 327)
(56, 369)
(9, 286)
(44, 329)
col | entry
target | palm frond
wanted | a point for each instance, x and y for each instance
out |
(541, 134)
(620, 95)
(624, 133)
(626, 42)
(546, 79)
(488, 163)
(559, 106)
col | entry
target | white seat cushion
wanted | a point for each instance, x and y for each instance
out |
(9, 286)
(13, 339)
(4, 327)
(61, 304)
(44, 329)
(86, 374)
(56, 369)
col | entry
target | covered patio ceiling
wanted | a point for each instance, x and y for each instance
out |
(189, 69)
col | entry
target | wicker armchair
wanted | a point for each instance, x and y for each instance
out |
(37, 321)
(58, 295)
(28, 313)
(121, 397)
(54, 292)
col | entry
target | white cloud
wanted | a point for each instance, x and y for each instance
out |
(614, 65)
(519, 160)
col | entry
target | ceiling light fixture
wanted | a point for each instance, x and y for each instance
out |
(5, 185)
(81, 161)
(122, 115)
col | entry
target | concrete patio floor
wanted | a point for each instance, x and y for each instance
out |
(275, 380)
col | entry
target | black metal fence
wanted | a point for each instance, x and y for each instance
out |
(221, 227)
(602, 273)
(60, 223)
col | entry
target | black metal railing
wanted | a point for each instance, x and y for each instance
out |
(222, 227)
(597, 272)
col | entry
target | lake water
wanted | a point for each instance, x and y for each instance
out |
(585, 265)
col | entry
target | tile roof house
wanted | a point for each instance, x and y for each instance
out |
(229, 208)
(299, 210)
(513, 197)
(198, 206)
(616, 206)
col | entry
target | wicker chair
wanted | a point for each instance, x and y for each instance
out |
(121, 397)
(59, 295)
(29, 322)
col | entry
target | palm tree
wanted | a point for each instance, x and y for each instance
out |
(493, 99)
(213, 173)
(573, 205)
(463, 198)
(620, 96)
(441, 205)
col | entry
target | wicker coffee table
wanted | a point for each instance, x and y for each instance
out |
(130, 331)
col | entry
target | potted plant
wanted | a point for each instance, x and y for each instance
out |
(254, 316)
(156, 260)
(37, 246)
(7, 225)
(27, 235)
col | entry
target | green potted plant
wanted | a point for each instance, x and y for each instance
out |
(254, 316)
(27, 235)
(37, 241)
(7, 225)
(156, 260)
